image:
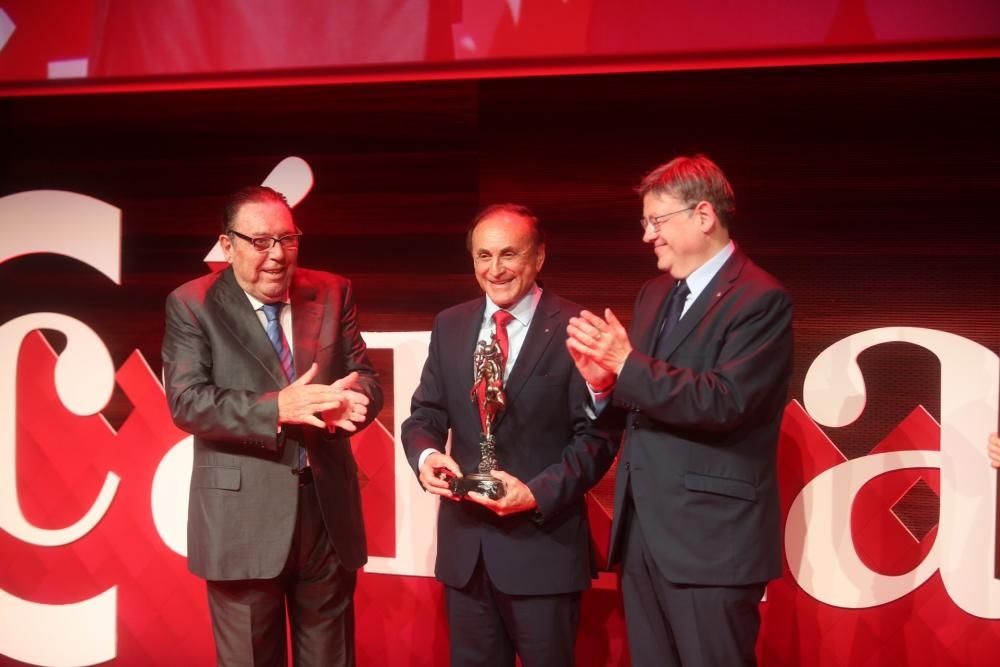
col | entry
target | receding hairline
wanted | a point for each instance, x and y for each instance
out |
(517, 211)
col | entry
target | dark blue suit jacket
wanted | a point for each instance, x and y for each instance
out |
(544, 438)
(702, 421)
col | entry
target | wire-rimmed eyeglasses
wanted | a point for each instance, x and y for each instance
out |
(655, 221)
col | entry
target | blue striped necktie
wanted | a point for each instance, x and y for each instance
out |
(272, 311)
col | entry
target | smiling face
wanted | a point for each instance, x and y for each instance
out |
(505, 257)
(682, 243)
(264, 275)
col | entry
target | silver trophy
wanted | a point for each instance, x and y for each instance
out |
(487, 392)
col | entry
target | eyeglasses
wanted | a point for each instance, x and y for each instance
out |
(655, 221)
(265, 243)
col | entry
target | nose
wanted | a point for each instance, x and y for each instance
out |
(277, 252)
(648, 233)
(496, 266)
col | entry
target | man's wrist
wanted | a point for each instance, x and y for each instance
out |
(424, 455)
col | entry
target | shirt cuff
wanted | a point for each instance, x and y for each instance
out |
(423, 456)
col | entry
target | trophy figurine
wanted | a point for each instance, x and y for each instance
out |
(487, 391)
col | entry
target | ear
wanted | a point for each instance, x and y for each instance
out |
(226, 243)
(539, 257)
(708, 220)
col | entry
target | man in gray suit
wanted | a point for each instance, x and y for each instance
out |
(700, 382)
(265, 366)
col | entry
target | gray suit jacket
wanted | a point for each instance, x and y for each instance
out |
(222, 381)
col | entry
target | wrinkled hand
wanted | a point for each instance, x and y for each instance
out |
(993, 448)
(599, 347)
(436, 472)
(353, 408)
(518, 498)
(301, 401)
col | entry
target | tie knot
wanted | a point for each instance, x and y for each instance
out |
(502, 318)
(272, 311)
(681, 290)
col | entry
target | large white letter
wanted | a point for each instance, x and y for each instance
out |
(416, 511)
(818, 540)
(89, 230)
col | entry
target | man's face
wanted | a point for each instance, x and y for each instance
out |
(264, 275)
(680, 243)
(505, 257)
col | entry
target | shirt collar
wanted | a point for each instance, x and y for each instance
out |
(522, 311)
(257, 303)
(700, 277)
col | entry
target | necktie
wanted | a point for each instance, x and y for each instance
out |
(501, 319)
(272, 311)
(675, 306)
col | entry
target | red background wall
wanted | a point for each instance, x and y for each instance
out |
(869, 190)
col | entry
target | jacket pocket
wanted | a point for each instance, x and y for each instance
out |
(216, 477)
(723, 486)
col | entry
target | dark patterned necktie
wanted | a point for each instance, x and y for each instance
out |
(675, 306)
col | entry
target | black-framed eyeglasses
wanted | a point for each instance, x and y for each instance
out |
(655, 221)
(265, 243)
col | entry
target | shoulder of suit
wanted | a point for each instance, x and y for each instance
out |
(198, 289)
(552, 302)
(319, 278)
(461, 311)
(753, 273)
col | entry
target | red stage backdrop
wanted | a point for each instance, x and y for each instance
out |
(868, 190)
(75, 45)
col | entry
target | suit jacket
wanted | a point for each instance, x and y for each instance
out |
(544, 438)
(222, 381)
(701, 430)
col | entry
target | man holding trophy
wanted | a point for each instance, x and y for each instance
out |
(514, 547)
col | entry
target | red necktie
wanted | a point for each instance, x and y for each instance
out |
(501, 319)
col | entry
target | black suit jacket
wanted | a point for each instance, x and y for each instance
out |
(222, 379)
(702, 424)
(544, 438)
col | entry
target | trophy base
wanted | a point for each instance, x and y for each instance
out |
(487, 485)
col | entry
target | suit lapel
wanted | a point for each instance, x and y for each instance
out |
(648, 318)
(465, 344)
(236, 314)
(717, 288)
(536, 341)
(307, 319)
